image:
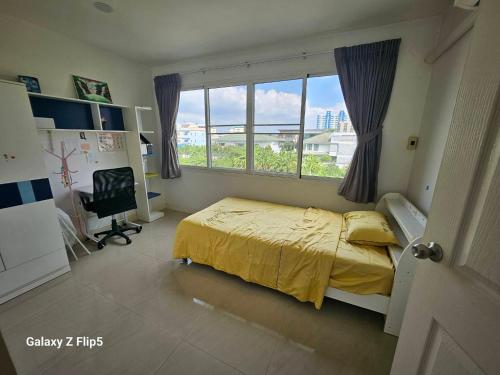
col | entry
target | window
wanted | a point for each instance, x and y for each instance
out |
(329, 139)
(277, 126)
(190, 125)
(228, 118)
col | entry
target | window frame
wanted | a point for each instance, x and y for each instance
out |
(249, 127)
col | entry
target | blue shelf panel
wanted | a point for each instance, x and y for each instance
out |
(113, 117)
(152, 194)
(66, 115)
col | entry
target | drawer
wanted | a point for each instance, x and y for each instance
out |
(28, 231)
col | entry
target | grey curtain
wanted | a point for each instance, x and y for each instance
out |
(168, 90)
(366, 73)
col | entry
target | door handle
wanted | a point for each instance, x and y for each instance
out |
(432, 251)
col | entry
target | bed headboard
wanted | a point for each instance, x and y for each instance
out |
(407, 222)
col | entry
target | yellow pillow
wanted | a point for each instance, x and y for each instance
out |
(369, 228)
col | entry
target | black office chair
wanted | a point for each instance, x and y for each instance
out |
(114, 193)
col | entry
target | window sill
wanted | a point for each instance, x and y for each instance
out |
(331, 180)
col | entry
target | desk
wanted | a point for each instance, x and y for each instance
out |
(89, 189)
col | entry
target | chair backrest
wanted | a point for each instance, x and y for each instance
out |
(114, 191)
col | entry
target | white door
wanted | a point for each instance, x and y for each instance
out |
(452, 321)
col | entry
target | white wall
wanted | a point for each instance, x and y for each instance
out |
(197, 189)
(51, 57)
(438, 112)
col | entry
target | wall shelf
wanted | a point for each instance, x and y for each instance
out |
(78, 114)
(75, 100)
(140, 163)
(82, 130)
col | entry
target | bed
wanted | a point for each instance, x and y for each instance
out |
(303, 252)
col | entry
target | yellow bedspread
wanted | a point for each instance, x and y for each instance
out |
(287, 248)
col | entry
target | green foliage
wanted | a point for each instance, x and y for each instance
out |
(265, 159)
(193, 155)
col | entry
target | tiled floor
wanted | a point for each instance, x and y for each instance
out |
(157, 316)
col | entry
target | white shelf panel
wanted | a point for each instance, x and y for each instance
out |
(74, 100)
(155, 215)
(83, 130)
(410, 220)
(395, 253)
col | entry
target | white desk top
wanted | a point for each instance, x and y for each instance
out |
(89, 189)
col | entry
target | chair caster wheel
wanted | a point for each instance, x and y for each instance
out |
(100, 246)
(138, 229)
(129, 241)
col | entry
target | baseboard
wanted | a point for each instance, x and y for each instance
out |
(182, 209)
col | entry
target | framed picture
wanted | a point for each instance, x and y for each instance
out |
(90, 89)
(32, 84)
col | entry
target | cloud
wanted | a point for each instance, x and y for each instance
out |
(228, 106)
(274, 107)
(191, 108)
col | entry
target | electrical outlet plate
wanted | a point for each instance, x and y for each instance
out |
(412, 143)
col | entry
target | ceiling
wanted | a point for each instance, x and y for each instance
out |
(161, 31)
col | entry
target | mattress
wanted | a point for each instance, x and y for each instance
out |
(295, 250)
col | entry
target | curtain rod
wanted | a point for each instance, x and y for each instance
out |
(303, 55)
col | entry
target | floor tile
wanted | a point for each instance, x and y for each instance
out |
(132, 344)
(157, 315)
(78, 314)
(189, 360)
(235, 341)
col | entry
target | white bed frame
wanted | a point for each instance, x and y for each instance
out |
(408, 223)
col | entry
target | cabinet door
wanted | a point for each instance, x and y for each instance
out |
(20, 149)
(29, 231)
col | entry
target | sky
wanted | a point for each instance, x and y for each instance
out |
(275, 103)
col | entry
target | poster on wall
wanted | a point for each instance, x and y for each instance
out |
(108, 142)
(90, 89)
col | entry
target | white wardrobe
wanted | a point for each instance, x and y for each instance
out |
(31, 245)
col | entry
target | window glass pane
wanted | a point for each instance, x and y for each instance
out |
(228, 116)
(190, 124)
(277, 126)
(278, 102)
(329, 139)
(228, 150)
(228, 105)
(275, 153)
